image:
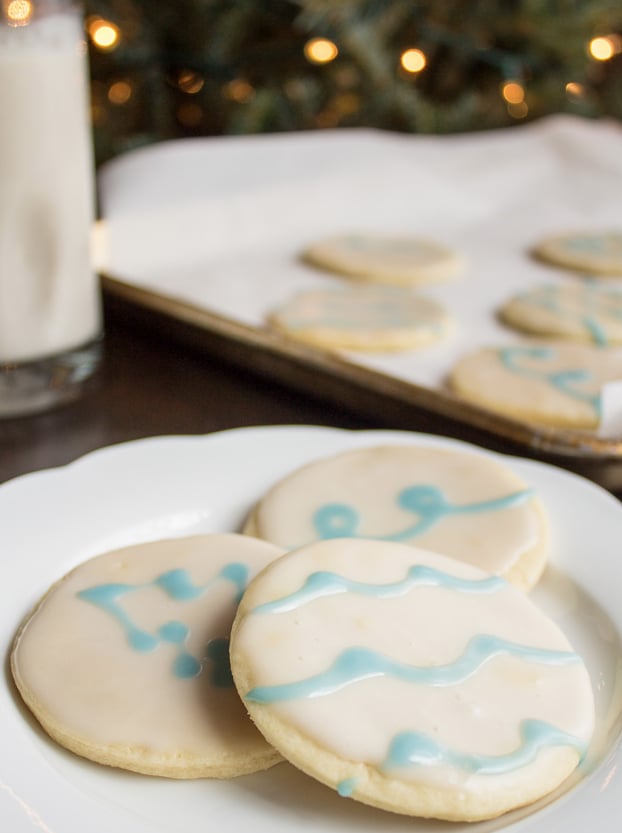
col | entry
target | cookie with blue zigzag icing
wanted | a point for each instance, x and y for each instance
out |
(410, 681)
(125, 660)
(463, 504)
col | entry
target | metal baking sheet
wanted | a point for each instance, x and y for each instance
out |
(207, 233)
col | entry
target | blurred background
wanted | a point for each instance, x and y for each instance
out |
(169, 68)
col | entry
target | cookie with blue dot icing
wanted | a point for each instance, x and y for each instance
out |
(462, 504)
(558, 384)
(594, 252)
(362, 318)
(125, 660)
(410, 681)
(580, 311)
(399, 259)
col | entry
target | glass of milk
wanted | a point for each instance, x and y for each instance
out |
(50, 305)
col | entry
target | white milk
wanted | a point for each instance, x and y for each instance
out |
(49, 295)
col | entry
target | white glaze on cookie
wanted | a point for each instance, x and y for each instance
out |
(361, 318)
(403, 260)
(585, 310)
(126, 659)
(461, 504)
(372, 665)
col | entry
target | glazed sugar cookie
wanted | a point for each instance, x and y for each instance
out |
(556, 385)
(403, 260)
(598, 253)
(583, 311)
(410, 681)
(362, 318)
(461, 504)
(125, 660)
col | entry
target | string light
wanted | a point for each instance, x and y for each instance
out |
(413, 60)
(18, 12)
(104, 34)
(238, 90)
(190, 114)
(603, 48)
(513, 92)
(518, 110)
(120, 92)
(574, 90)
(320, 51)
(190, 82)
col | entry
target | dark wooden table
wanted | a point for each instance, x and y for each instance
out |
(154, 383)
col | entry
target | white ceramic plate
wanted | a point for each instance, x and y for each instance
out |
(163, 487)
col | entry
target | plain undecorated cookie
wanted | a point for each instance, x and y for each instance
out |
(581, 311)
(125, 660)
(403, 260)
(462, 504)
(552, 384)
(595, 252)
(410, 681)
(362, 318)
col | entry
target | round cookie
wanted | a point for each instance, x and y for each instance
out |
(582, 311)
(361, 318)
(410, 681)
(595, 252)
(462, 504)
(403, 260)
(125, 660)
(551, 384)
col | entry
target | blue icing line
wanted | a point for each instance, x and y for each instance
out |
(105, 596)
(415, 748)
(324, 583)
(178, 585)
(346, 787)
(339, 520)
(356, 664)
(563, 380)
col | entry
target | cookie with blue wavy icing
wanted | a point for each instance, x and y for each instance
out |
(410, 681)
(463, 504)
(558, 384)
(125, 660)
(595, 252)
(398, 259)
(365, 318)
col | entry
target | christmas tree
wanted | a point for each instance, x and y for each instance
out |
(163, 69)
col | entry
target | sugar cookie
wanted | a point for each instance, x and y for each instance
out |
(582, 310)
(552, 384)
(404, 260)
(410, 681)
(362, 318)
(458, 503)
(125, 660)
(595, 252)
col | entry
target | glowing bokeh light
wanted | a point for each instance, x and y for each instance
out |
(602, 48)
(18, 12)
(413, 60)
(320, 51)
(575, 90)
(518, 110)
(120, 92)
(190, 82)
(513, 92)
(105, 35)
